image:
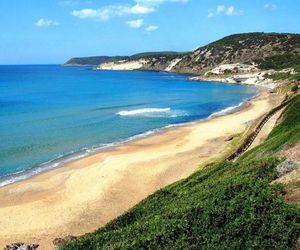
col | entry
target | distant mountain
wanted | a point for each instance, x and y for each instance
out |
(96, 60)
(93, 60)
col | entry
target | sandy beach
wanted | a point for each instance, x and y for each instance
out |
(86, 194)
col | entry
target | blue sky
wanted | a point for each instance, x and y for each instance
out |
(52, 31)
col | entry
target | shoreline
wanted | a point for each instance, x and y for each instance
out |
(68, 158)
(249, 79)
(86, 194)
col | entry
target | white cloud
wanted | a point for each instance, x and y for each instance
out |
(139, 7)
(42, 22)
(220, 9)
(151, 28)
(210, 14)
(135, 24)
(223, 10)
(70, 3)
(231, 11)
(158, 2)
(108, 12)
(270, 6)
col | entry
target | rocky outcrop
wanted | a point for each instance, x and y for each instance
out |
(287, 167)
(21, 246)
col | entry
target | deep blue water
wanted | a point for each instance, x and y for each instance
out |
(51, 111)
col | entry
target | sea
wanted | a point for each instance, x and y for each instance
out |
(51, 114)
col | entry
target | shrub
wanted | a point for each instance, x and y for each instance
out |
(295, 88)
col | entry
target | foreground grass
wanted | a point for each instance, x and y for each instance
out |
(227, 206)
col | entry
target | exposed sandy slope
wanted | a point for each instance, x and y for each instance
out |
(123, 65)
(88, 193)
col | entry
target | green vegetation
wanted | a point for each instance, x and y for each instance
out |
(268, 50)
(210, 74)
(230, 205)
(227, 72)
(284, 76)
(295, 88)
(282, 61)
(296, 68)
(288, 132)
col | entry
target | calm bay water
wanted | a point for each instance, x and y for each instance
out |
(47, 112)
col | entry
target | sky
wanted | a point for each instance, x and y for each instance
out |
(52, 31)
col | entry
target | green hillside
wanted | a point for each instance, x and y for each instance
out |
(231, 205)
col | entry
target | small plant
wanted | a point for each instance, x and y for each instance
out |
(227, 71)
(295, 88)
(210, 74)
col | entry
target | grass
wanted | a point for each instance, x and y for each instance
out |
(231, 205)
(297, 68)
(288, 132)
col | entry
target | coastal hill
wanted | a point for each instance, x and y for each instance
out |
(261, 48)
(266, 50)
(96, 60)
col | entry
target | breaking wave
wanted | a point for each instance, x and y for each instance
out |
(152, 112)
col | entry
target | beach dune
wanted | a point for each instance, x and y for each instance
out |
(86, 194)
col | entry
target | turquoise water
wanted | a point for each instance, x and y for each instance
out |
(50, 114)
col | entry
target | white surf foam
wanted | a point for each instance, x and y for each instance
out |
(143, 111)
(226, 110)
(152, 112)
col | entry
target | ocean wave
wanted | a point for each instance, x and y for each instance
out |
(226, 110)
(152, 112)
